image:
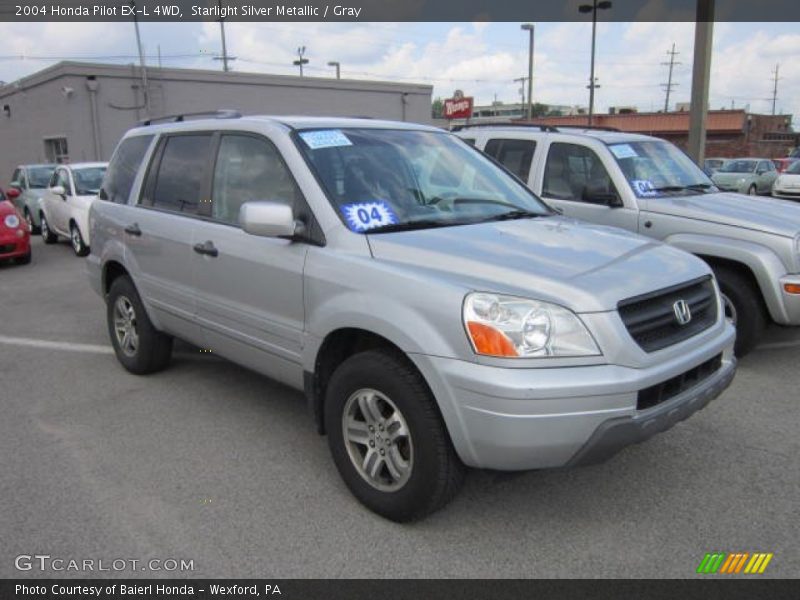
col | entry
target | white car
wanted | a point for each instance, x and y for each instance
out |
(787, 185)
(64, 209)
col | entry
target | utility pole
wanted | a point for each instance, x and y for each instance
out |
(775, 79)
(669, 85)
(224, 58)
(336, 64)
(529, 28)
(593, 8)
(300, 60)
(522, 81)
(145, 89)
(701, 74)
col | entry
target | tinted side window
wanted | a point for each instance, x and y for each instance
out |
(573, 171)
(180, 173)
(17, 176)
(514, 155)
(470, 141)
(249, 169)
(122, 170)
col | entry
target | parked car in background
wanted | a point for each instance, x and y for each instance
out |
(781, 164)
(795, 153)
(710, 165)
(647, 185)
(787, 185)
(15, 236)
(65, 204)
(746, 175)
(433, 309)
(28, 183)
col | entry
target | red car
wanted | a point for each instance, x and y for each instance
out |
(781, 164)
(15, 237)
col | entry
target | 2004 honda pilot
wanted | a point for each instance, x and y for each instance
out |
(436, 313)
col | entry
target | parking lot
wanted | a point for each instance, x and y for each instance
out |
(211, 463)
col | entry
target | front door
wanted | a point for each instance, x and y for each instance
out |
(574, 176)
(250, 288)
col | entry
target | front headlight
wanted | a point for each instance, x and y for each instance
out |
(11, 221)
(507, 326)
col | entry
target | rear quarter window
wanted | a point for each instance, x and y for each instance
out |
(123, 167)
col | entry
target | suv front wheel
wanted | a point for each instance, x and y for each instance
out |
(743, 307)
(387, 438)
(139, 346)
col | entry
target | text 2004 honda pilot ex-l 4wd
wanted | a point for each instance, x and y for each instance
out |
(435, 312)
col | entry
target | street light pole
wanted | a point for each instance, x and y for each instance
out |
(529, 28)
(334, 63)
(593, 8)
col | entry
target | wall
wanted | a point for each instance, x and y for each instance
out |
(40, 109)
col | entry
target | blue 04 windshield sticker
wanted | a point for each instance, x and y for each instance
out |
(643, 187)
(363, 216)
(325, 138)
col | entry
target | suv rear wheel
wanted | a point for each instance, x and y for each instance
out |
(139, 346)
(743, 307)
(387, 438)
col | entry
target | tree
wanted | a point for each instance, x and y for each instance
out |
(437, 108)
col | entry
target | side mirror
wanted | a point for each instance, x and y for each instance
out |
(595, 196)
(58, 190)
(12, 192)
(269, 219)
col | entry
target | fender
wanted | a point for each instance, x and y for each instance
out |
(766, 266)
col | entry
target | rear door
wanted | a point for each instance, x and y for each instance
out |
(250, 288)
(58, 211)
(516, 155)
(160, 232)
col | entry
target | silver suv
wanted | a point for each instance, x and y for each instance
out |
(646, 185)
(435, 312)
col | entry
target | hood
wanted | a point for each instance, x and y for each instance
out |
(7, 208)
(788, 180)
(587, 268)
(760, 213)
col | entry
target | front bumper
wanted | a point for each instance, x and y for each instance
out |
(12, 246)
(786, 194)
(519, 419)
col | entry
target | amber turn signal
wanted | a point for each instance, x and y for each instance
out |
(490, 341)
(792, 288)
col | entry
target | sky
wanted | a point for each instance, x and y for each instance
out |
(481, 59)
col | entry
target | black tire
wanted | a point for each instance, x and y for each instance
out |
(76, 241)
(752, 190)
(750, 316)
(24, 260)
(153, 349)
(435, 474)
(48, 236)
(29, 219)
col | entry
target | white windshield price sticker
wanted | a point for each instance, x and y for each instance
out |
(623, 151)
(643, 187)
(327, 138)
(363, 216)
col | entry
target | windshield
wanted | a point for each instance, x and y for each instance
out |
(39, 177)
(738, 166)
(794, 168)
(383, 180)
(656, 168)
(88, 180)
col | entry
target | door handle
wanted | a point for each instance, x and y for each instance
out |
(207, 248)
(133, 230)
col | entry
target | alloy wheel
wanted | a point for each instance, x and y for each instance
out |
(378, 440)
(125, 326)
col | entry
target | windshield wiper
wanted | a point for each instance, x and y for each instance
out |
(514, 214)
(680, 188)
(412, 225)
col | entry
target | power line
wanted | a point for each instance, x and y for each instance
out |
(669, 85)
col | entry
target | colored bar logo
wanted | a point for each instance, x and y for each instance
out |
(734, 563)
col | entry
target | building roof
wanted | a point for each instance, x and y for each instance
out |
(719, 121)
(86, 69)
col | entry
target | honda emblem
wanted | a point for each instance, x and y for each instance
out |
(683, 313)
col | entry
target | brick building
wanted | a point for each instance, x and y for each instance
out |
(729, 133)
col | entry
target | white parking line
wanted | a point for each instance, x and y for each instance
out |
(54, 345)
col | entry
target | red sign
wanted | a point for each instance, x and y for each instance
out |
(458, 108)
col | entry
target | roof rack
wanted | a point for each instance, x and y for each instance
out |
(217, 114)
(539, 126)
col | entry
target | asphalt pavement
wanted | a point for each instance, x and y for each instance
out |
(210, 463)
